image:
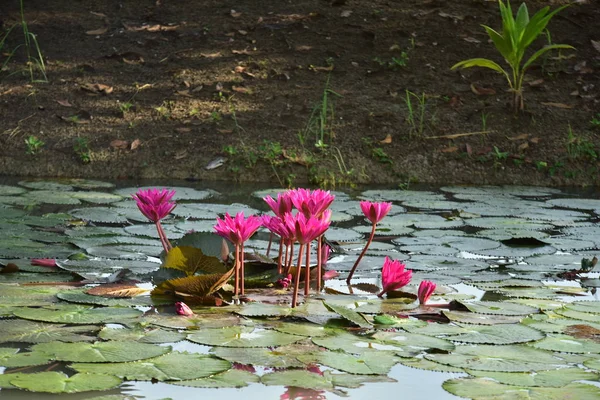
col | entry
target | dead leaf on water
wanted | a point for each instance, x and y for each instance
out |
(557, 105)
(117, 290)
(99, 31)
(481, 91)
(387, 140)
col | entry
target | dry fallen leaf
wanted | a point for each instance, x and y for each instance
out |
(119, 144)
(481, 91)
(534, 140)
(596, 44)
(64, 103)
(185, 93)
(235, 14)
(224, 130)
(321, 69)
(183, 130)
(452, 149)
(471, 39)
(468, 149)
(454, 101)
(99, 31)
(135, 144)
(97, 88)
(116, 290)
(241, 89)
(97, 14)
(303, 48)
(537, 82)
(522, 136)
(387, 140)
(557, 105)
(523, 146)
(242, 52)
(346, 13)
(181, 154)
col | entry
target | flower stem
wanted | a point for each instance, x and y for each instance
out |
(242, 283)
(319, 262)
(361, 255)
(307, 272)
(271, 236)
(237, 270)
(297, 281)
(279, 269)
(161, 235)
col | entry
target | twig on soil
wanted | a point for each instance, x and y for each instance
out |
(457, 135)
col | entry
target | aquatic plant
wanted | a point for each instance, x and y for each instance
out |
(374, 213)
(394, 275)
(426, 289)
(517, 35)
(183, 309)
(237, 230)
(156, 205)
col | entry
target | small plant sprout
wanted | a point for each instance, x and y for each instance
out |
(34, 145)
(82, 149)
(596, 120)
(374, 213)
(416, 113)
(517, 35)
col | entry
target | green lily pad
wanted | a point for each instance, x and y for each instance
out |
(79, 297)
(414, 341)
(9, 358)
(371, 363)
(173, 366)
(239, 336)
(499, 334)
(508, 358)
(554, 378)
(233, 378)
(485, 389)
(480, 319)
(421, 363)
(105, 215)
(7, 190)
(72, 314)
(354, 344)
(58, 382)
(499, 308)
(101, 352)
(348, 314)
(567, 344)
(258, 357)
(24, 331)
(297, 378)
(142, 335)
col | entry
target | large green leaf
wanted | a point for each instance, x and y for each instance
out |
(9, 358)
(348, 314)
(238, 336)
(37, 332)
(567, 344)
(297, 378)
(264, 357)
(58, 382)
(192, 260)
(378, 363)
(234, 378)
(554, 378)
(499, 334)
(485, 389)
(72, 314)
(173, 366)
(481, 62)
(545, 49)
(101, 352)
(142, 335)
(508, 358)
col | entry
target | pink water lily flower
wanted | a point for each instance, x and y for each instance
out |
(155, 205)
(311, 203)
(237, 230)
(183, 309)
(374, 213)
(426, 289)
(276, 226)
(394, 275)
(282, 205)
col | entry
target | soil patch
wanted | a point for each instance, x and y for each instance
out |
(294, 92)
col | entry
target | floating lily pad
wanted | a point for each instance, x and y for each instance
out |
(9, 358)
(501, 308)
(414, 341)
(101, 352)
(556, 378)
(72, 314)
(233, 378)
(36, 332)
(104, 215)
(7, 190)
(297, 378)
(567, 344)
(58, 382)
(239, 336)
(427, 365)
(45, 185)
(378, 363)
(258, 357)
(499, 334)
(142, 335)
(173, 366)
(181, 193)
(508, 358)
(480, 319)
(348, 314)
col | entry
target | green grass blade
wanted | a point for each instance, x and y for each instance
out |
(538, 53)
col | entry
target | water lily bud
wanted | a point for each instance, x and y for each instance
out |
(182, 309)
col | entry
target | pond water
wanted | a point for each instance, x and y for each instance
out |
(514, 301)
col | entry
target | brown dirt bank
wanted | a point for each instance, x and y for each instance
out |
(186, 84)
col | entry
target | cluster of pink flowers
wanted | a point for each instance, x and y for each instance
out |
(307, 224)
